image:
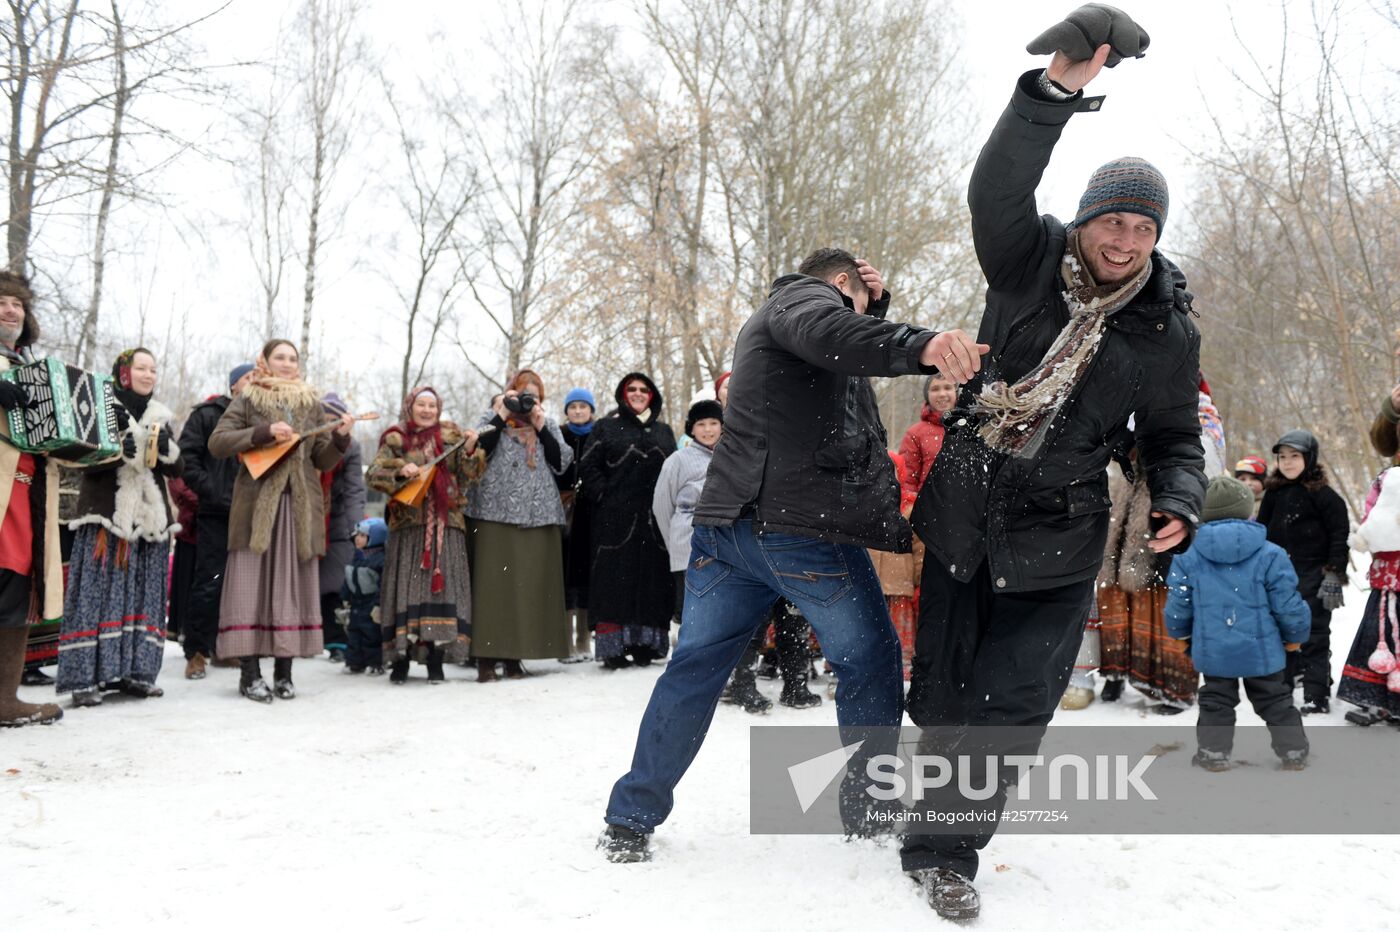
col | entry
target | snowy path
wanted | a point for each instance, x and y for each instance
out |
(364, 806)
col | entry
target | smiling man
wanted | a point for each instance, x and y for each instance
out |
(1089, 327)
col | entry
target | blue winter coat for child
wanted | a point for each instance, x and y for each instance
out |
(361, 589)
(1236, 596)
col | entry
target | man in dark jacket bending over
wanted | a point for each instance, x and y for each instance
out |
(799, 487)
(1088, 325)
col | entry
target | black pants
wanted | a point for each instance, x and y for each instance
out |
(1314, 661)
(679, 577)
(986, 658)
(1272, 698)
(332, 631)
(200, 625)
(791, 635)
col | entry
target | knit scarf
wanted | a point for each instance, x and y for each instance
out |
(1018, 417)
(524, 433)
(579, 430)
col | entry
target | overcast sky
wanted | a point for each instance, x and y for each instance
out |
(1158, 107)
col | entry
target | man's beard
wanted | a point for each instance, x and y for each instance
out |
(10, 335)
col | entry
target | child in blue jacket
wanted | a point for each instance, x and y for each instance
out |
(1235, 596)
(364, 650)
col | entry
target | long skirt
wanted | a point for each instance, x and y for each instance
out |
(1360, 685)
(413, 617)
(271, 602)
(518, 596)
(113, 625)
(1134, 645)
(181, 580)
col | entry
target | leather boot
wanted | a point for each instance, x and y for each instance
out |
(435, 674)
(485, 670)
(14, 713)
(791, 632)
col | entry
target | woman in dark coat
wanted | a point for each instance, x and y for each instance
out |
(631, 593)
(580, 412)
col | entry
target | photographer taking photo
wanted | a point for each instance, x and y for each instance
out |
(515, 523)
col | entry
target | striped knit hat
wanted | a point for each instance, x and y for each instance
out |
(1130, 185)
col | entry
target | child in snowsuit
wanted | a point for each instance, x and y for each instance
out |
(364, 652)
(1235, 596)
(1306, 517)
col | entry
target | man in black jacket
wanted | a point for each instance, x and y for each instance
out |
(211, 479)
(799, 487)
(1089, 326)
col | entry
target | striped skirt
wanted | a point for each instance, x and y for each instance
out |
(413, 618)
(271, 603)
(1134, 645)
(113, 625)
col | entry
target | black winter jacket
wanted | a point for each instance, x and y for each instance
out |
(208, 476)
(1042, 522)
(803, 443)
(1311, 524)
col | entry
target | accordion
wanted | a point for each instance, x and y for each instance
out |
(71, 414)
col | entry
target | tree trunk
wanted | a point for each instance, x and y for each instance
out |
(88, 346)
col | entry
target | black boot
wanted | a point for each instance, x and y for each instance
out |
(624, 846)
(792, 632)
(950, 894)
(435, 674)
(398, 673)
(282, 686)
(743, 688)
(1112, 690)
(250, 681)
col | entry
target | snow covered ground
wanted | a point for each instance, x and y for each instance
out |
(365, 806)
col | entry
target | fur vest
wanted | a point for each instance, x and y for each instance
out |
(246, 424)
(125, 496)
(1128, 562)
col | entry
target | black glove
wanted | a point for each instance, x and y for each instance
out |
(1330, 592)
(129, 447)
(123, 418)
(13, 396)
(164, 442)
(1080, 33)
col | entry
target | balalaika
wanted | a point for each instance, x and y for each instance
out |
(71, 414)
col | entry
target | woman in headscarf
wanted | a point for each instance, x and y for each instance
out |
(113, 634)
(425, 604)
(516, 524)
(631, 594)
(271, 602)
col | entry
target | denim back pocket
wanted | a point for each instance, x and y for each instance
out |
(805, 568)
(705, 570)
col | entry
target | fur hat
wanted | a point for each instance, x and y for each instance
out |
(1128, 185)
(14, 285)
(700, 411)
(1227, 497)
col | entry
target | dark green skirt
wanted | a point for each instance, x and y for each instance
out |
(517, 592)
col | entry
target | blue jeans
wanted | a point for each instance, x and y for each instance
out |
(733, 577)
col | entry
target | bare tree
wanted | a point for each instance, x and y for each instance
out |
(328, 30)
(532, 160)
(266, 177)
(435, 198)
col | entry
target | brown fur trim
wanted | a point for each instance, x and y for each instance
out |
(271, 396)
(1137, 564)
(1120, 493)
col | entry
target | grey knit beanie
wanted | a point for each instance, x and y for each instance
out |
(1227, 497)
(1130, 185)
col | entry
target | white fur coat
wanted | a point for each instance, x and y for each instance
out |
(142, 508)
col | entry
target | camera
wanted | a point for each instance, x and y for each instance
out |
(522, 403)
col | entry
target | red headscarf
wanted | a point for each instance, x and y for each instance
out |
(429, 441)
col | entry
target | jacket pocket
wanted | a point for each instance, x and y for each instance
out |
(705, 570)
(807, 569)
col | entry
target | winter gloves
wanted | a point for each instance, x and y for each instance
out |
(1330, 592)
(13, 396)
(1087, 28)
